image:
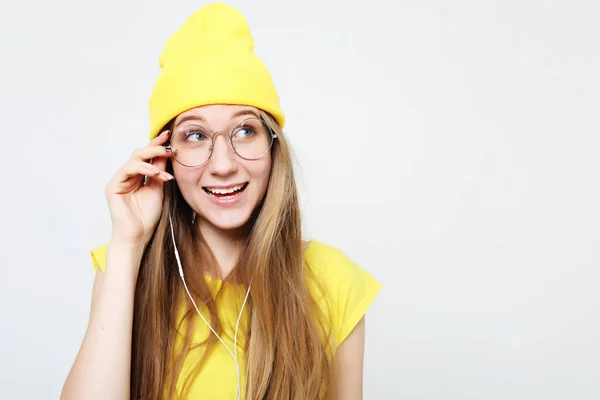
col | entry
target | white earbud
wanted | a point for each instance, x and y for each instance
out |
(234, 352)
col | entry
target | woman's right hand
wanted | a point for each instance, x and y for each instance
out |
(134, 207)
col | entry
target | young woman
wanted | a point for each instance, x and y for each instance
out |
(206, 289)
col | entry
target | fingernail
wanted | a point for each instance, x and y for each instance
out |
(165, 133)
(167, 175)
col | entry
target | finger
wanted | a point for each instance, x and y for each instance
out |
(150, 152)
(152, 170)
(160, 163)
(160, 139)
(137, 169)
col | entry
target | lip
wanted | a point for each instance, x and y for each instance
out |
(226, 202)
(223, 186)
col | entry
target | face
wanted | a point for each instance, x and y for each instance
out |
(207, 188)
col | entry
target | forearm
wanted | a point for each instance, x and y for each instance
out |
(103, 364)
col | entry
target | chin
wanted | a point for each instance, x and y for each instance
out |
(229, 220)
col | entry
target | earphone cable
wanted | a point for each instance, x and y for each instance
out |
(234, 352)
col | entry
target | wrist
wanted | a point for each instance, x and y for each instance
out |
(127, 244)
(126, 252)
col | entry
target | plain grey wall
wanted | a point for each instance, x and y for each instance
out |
(450, 148)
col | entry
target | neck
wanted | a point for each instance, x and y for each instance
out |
(226, 245)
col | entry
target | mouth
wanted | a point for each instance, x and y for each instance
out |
(226, 193)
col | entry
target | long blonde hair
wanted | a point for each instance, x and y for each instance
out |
(287, 345)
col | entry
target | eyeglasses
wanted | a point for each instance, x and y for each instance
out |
(192, 145)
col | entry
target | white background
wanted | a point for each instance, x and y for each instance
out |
(450, 148)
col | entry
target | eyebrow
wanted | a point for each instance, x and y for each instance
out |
(195, 117)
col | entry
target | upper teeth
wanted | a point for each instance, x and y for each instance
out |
(225, 191)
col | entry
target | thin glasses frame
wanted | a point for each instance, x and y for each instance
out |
(230, 134)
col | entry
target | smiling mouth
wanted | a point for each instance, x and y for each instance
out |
(228, 192)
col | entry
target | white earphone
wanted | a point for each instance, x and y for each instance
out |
(234, 352)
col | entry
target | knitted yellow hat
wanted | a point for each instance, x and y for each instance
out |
(210, 60)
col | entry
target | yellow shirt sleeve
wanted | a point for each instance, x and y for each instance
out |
(99, 257)
(350, 289)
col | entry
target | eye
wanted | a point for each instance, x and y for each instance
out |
(195, 135)
(244, 132)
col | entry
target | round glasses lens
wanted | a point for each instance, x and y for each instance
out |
(251, 139)
(191, 145)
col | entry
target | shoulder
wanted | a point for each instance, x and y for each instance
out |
(329, 263)
(325, 260)
(349, 289)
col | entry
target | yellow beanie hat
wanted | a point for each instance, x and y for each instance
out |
(210, 60)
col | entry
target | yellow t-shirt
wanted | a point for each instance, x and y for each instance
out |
(349, 292)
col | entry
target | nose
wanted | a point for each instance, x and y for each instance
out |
(222, 161)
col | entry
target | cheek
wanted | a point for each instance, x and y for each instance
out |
(260, 171)
(186, 178)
